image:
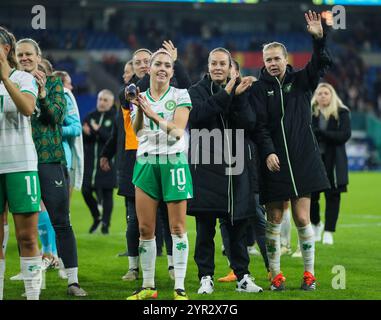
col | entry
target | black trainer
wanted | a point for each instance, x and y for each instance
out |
(94, 226)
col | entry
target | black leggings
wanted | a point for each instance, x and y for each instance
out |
(104, 197)
(54, 181)
(205, 248)
(332, 207)
(255, 231)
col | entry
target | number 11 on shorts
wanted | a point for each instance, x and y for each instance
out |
(180, 175)
(29, 186)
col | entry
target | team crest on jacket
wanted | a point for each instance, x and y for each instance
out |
(108, 123)
(170, 105)
(287, 87)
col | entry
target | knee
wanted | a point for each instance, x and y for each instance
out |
(27, 240)
(178, 229)
(302, 221)
(146, 231)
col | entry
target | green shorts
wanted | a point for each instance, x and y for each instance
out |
(164, 177)
(21, 190)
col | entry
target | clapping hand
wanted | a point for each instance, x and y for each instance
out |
(41, 81)
(5, 69)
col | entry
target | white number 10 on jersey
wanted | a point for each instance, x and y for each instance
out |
(180, 175)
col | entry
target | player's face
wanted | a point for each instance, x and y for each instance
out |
(161, 70)
(323, 96)
(219, 66)
(275, 62)
(104, 102)
(140, 63)
(128, 73)
(27, 57)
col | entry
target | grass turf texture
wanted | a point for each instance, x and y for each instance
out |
(357, 247)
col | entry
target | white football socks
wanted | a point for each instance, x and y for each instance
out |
(307, 246)
(72, 275)
(2, 272)
(273, 247)
(133, 262)
(31, 268)
(147, 255)
(180, 250)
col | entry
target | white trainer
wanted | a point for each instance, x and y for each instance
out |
(247, 284)
(318, 230)
(17, 277)
(297, 253)
(207, 285)
(252, 250)
(328, 237)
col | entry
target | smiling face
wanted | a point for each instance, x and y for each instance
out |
(219, 66)
(161, 70)
(323, 96)
(275, 62)
(27, 57)
(140, 63)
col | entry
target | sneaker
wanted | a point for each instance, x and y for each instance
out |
(95, 226)
(253, 251)
(318, 229)
(17, 277)
(171, 271)
(230, 277)
(131, 275)
(76, 291)
(247, 285)
(309, 282)
(207, 286)
(104, 229)
(180, 294)
(297, 253)
(144, 294)
(49, 262)
(328, 237)
(285, 250)
(277, 284)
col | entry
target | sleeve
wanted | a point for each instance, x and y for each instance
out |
(319, 63)
(261, 134)
(341, 135)
(183, 99)
(72, 125)
(27, 83)
(181, 75)
(53, 106)
(207, 107)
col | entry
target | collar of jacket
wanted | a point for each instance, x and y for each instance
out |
(264, 75)
(212, 86)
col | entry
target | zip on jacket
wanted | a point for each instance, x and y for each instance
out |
(284, 136)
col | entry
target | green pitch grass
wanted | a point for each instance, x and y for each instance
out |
(357, 248)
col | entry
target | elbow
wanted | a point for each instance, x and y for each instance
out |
(28, 111)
